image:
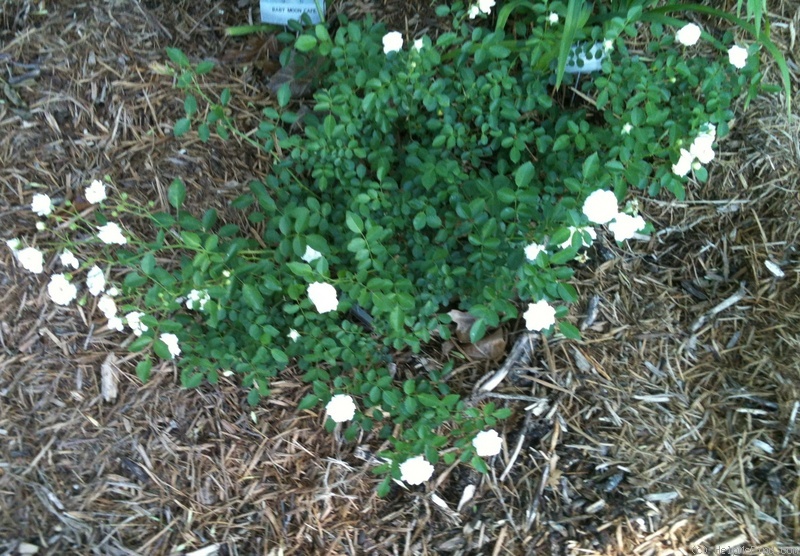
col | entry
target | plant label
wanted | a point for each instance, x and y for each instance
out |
(279, 12)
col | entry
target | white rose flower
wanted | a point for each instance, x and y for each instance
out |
(96, 192)
(392, 42)
(625, 225)
(540, 315)
(418, 44)
(112, 291)
(323, 296)
(107, 306)
(487, 443)
(416, 471)
(553, 18)
(701, 148)
(172, 344)
(485, 6)
(684, 164)
(115, 323)
(737, 56)
(14, 244)
(601, 206)
(41, 226)
(68, 259)
(474, 11)
(136, 325)
(532, 251)
(293, 335)
(95, 281)
(111, 233)
(42, 204)
(608, 45)
(31, 260)
(688, 35)
(627, 128)
(197, 299)
(311, 255)
(60, 290)
(341, 408)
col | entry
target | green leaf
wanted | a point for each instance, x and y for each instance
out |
(176, 193)
(134, 280)
(308, 401)
(203, 132)
(302, 270)
(574, 19)
(396, 319)
(162, 350)
(305, 43)
(253, 397)
(148, 264)
(143, 369)
(204, 67)
(190, 105)
(354, 222)
(479, 464)
(252, 297)
(284, 95)
(181, 127)
(140, 343)
(225, 97)
(384, 487)
(569, 331)
(279, 356)
(477, 331)
(177, 56)
(322, 33)
(428, 400)
(524, 174)
(590, 166)
(561, 143)
(191, 239)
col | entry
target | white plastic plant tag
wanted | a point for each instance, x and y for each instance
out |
(279, 12)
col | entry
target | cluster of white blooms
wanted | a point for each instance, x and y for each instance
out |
(197, 299)
(68, 259)
(482, 7)
(601, 207)
(688, 35)
(60, 290)
(416, 470)
(532, 251)
(311, 255)
(701, 150)
(487, 443)
(135, 324)
(323, 296)
(111, 233)
(96, 192)
(539, 316)
(171, 340)
(392, 42)
(341, 408)
(42, 204)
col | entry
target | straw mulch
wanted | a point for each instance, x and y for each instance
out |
(673, 423)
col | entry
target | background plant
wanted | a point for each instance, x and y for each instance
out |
(463, 150)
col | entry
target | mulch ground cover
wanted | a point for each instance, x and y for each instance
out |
(671, 424)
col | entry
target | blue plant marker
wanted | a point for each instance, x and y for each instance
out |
(279, 12)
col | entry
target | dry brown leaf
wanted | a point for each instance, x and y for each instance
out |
(109, 378)
(463, 322)
(491, 347)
